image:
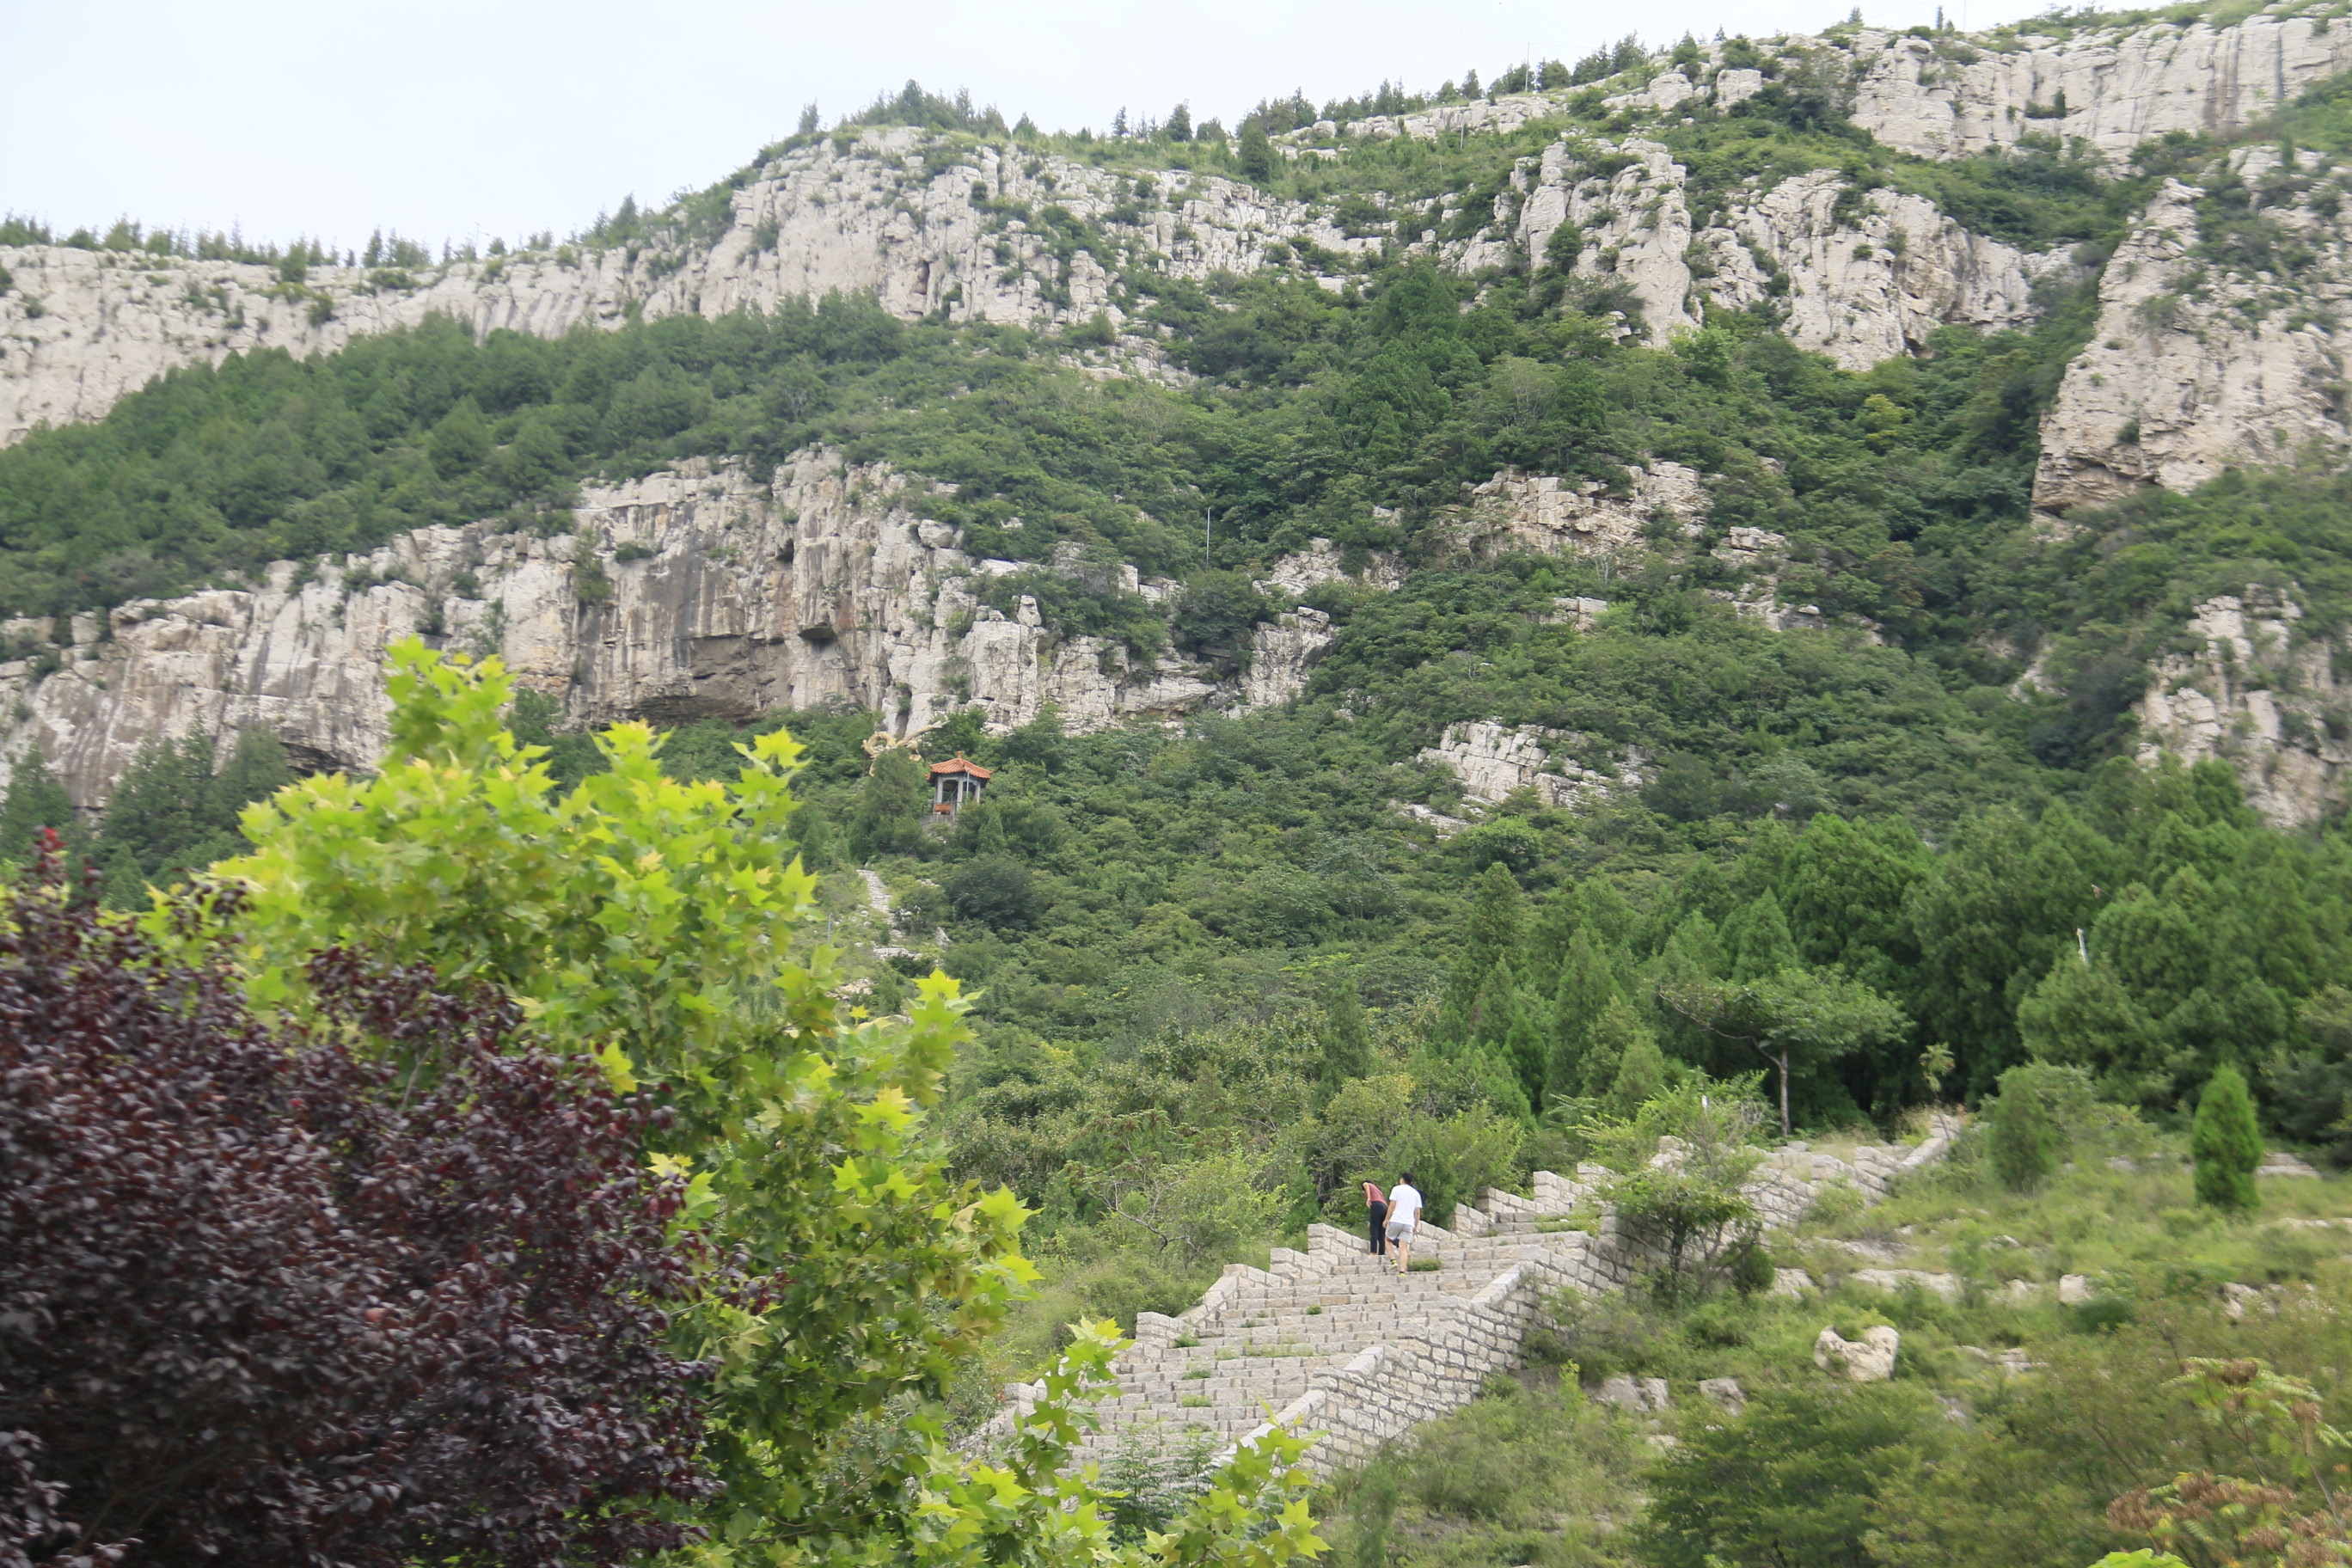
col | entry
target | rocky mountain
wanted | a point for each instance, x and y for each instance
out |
(826, 583)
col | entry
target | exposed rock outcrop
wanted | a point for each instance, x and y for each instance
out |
(1870, 1359)
(1624, 205)
(710, 596)
(2261, 694)
(1871, 286)
(1302, 570)
(1491, 761)
(2193, 368)
(1515, 511)
(1948, 98)
(928, 225)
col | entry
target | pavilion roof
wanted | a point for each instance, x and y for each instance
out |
(958, 765)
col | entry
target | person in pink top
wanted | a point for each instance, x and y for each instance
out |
(1379, 1207)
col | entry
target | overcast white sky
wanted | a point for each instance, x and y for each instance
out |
(458, 117)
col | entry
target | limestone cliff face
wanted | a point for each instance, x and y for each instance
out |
(932, 226)
(1492, 760)
(1872, 285)
(1514, 511)
(2194, 367)
(1860, 285)
(926, 224)
(1946, 98)
(709, 596)
(2263, 696)
(1625, 204)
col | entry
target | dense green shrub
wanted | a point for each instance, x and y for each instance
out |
(2023, 1137)
(2226, 1143)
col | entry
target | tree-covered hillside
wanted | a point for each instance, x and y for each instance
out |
(1913, 853)
(1117, 881)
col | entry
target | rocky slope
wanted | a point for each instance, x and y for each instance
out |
(709, 596)
(2257, 689)
(2215, 346)
(2201, 361)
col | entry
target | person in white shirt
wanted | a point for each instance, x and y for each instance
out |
(1404, 1213)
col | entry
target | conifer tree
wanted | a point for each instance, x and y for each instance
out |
(1614, 1036)
(1346, 1042)
(1490, 938)
(2022, 1140)
(1526, 1045)
(2082, 1014)
(1256, 153)
(1585, 988)
(1641, 1066)
(1757, 942)
(1556, 921)
(2225, 1143)
(35, 800)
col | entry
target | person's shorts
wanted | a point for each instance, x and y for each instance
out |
(1400, 1230)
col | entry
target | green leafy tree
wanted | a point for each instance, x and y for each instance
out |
(645, 921)
(890, 805)
(1756, 939)
(1641, 1074)
(2226, 1143)
(1789, 1481)
(1490, 940)
(174, 811)
(1216, 616)
(461, 441)
(2084, 1014)
(1798, 1018)
(1683, 1198)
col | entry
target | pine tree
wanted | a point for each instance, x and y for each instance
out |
(160, 805)
(2083, 1016)
(1640, 1070)
(1346, 1042)
(2225, 1143)
(2021, 1137)
(35, 800)
(1757, 942)
(258, 768)
(1614, 1035)
(1490, 938)
(1526, 1043)
(1495, 1013)
(1257, 156)
(1556, 921)
(1585, 987)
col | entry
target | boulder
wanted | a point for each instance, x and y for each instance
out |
(1870, 1359)
(1791, 1283)
(2074, 1289)
(1635, 1396)
(1946, 1286)
(1724, 1393)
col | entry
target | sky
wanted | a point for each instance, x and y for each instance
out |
(474, 119)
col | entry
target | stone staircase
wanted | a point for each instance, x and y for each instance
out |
(1332, 1341)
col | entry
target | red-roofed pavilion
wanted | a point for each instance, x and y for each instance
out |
(956, 785)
